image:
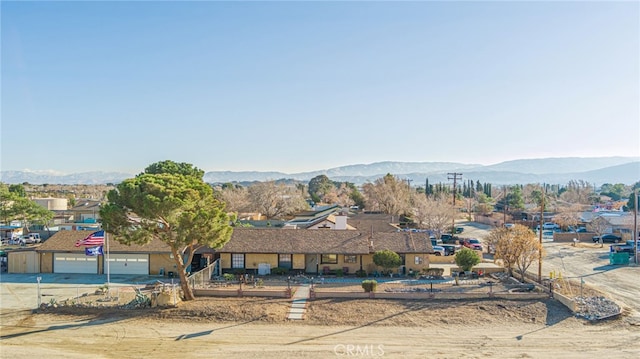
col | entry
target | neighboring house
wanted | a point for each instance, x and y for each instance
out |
(259, 250)
(314, 218)
(60, 255)
(10, 232)
(333, 221)
(373, 222)
(86, 211)
(617, 222)
(70, 226)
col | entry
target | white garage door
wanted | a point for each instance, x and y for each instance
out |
(74, 263)
(129, 264)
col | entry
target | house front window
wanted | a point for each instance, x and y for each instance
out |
(329, 259)
(350, 259)
(284, 261)
(237, 260)
(417, 260)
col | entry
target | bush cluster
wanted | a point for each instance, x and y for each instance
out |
(279, 271)
(369, 285)
(361, 273)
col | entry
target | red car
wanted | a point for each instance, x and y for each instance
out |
(472, 243)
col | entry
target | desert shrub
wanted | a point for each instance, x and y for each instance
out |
(339, 273)
(369, 285)
(361, 273)
(279, 271)
(229, 276)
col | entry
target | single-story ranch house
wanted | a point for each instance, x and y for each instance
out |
(249, 250)
(319, 251)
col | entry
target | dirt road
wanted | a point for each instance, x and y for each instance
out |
(392, 329)
(590, 264)
(586, 263)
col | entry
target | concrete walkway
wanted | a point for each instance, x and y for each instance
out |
(299, 304)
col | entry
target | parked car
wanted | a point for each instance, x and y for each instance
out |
(472, 243)
(30, 238)
(607, 238)
(459, 230)
(436, 242)
(439, 251)
(449, 239)
(548, 225)
(628, 247)
(450, 249)
(509, 225)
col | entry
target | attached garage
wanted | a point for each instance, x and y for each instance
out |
(59, 254)
(74, 263)
(121, 263)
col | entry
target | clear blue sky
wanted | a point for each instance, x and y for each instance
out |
(301, 86)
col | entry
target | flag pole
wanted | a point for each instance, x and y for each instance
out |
(106, 236)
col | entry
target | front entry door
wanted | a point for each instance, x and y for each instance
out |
(311, 263)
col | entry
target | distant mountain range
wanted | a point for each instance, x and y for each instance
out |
(598, 170)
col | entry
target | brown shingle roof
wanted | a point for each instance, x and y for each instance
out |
(273, 240)
(372, 222)
(278, 240)
(64, 241)
(402, 242)
(318, 241)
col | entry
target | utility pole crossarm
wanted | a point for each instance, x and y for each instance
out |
(455, 177)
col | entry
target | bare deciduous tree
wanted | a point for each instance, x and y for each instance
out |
(275, 200)
(339, 195)
(434, 213)
(598, 226)
(517, 247)
(235, 197)
(578, 192)
(568, 216)
(388, 194)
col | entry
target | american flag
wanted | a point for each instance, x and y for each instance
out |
(94, 239)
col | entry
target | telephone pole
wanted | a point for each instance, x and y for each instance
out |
(636, 237)
(455, 177)
(540, 236)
